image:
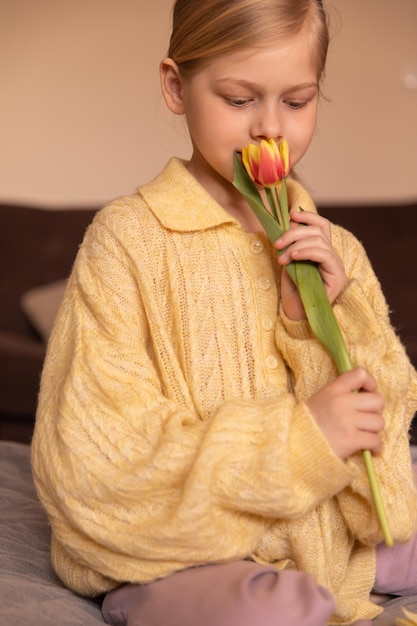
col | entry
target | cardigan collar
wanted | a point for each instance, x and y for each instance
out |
(180, 203)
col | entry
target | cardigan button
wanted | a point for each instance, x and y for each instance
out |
(267, 323)
(264, 283)
(256, 247)
(271, 362)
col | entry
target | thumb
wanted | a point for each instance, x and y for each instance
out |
(357, 379)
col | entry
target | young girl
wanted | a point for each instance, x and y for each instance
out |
(193, 439)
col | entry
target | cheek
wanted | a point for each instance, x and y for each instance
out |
(203, 126)
(302, 139)
(210, 134)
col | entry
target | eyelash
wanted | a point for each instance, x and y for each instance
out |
(296, 105)
(239, 103)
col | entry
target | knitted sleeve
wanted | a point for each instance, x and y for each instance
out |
(363, 317)
(135, 483)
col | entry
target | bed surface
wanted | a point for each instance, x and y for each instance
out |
(30, 593)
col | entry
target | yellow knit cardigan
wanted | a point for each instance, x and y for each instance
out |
(172, 429)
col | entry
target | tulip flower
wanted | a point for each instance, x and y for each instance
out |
(267, 163)
(268, 166)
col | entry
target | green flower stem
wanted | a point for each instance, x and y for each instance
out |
(284, 203)
(276, 209)
(319, 311)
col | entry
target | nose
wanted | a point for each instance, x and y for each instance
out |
(267, 124)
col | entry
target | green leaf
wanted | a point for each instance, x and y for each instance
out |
(320, 314)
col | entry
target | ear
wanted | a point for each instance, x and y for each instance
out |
(172, 86)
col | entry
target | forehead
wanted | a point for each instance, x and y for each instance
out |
(293, 59)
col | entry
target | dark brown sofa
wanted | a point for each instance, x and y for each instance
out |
(389, 234)
(38, 247)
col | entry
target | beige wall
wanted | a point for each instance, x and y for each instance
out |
(366, 141)
(82, 121)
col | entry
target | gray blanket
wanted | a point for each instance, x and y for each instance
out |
(30, 593)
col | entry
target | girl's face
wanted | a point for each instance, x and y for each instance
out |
(243, 97)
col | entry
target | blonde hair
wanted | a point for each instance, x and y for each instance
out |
(204, 29)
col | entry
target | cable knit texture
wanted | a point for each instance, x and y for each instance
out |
(172, 429)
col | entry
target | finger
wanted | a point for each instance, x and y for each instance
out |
(357, 379)
(313, 219)
(371, 423)
(359, 440)
(369, 402)
(298, 234)
(312, 249)
(328, 262)
(370, 441)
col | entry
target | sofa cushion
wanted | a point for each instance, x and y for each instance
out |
(41, 305)
(21, 360)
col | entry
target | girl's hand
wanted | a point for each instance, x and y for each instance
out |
(311, 242)
(350, 421)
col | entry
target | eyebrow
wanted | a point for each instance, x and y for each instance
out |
(245, 83)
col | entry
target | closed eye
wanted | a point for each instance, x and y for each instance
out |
(296, 104)
(238, 102)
